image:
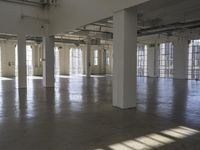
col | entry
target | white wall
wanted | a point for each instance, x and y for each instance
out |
(70, 14)
(7, 58)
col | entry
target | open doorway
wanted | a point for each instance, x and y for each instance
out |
(76, 61)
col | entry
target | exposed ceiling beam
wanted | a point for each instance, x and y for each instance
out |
(25, 2)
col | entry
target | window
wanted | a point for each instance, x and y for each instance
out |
(29, 62)
(96, 55)
(76, 61)
(0, 61)
(166, 60)
(194, 60)
(107, 57)
(142, 60)
(16, 60)
(57, 64)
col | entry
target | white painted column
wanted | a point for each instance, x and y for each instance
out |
(21, 42)
(151, 61)
(125, 55)
(84, 49)
(157, 59)
(64, 60)
(181, 47)
(48, 61)
(103, 64)
(88, 60)
(111, 60)
(37, 55)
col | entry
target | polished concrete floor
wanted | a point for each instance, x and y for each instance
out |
(78, 115)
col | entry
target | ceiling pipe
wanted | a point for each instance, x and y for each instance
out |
(176, 25)
(169, 28)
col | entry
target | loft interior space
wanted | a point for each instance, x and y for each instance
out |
(99, 75)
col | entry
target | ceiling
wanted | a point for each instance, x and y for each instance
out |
(166, 17)
(37, 3)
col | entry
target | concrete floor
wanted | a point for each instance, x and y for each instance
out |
(78, 115)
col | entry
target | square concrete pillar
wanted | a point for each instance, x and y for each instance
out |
(125, 59)
(181, 47)
(21, 54)
(64, 60)
(151, 61)
(88, 61)
(157, 59)
(36, 59)
(48, 61)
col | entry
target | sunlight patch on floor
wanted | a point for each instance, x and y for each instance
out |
(35, 77)
(6, 79)
(154, 140)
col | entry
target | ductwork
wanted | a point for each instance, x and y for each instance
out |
(169, 28)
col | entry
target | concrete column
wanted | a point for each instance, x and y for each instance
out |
(68, 59)
(88, 60)
(48, 61)
(180, 58)
(111, 60)
(125, 55)
(103, 63)
(37, 56)
(22, 81)
(64, 60)
(151, 61)
(84, 49)
(157, 60)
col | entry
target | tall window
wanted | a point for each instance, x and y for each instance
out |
(107, 57)
(16, 60)
(194, 60)
(57, 64)
(96, 57)
(76, 61)
(142, 60)
(166, 60)
(0, 61)
(29, 59)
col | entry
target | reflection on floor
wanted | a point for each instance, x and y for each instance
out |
(78, 115)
